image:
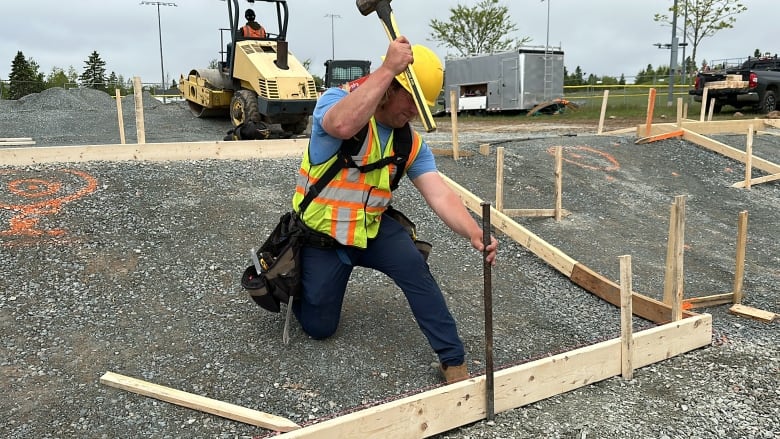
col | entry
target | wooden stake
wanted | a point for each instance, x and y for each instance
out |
(626, 323)
(500, 178)
(139, 110)
(704, 103)
(670, 246)
(711, 110)
(603, 111)
(650, 109)
(120, 117)
(685, 111)
(749, 158)
(197, 402)
(739, 271)
(484, 148)
(679, 247)
(454, 118)
(679, 112)
(559, 181)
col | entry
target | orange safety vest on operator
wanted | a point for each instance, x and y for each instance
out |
(350, 206)
(250, 32)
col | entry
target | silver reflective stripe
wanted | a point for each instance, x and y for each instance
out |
(342, 217)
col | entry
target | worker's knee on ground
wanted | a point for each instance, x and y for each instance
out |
(319, 331)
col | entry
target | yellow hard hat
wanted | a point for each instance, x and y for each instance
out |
(429, 71)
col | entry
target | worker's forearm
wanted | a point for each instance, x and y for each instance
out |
(350, 114)
(457, 217)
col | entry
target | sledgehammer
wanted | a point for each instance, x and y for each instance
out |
(385, 13)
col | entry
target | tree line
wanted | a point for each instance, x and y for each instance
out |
(26, 78)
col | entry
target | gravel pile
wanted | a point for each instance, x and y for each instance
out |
(139, 275)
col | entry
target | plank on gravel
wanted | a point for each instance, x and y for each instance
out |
(197, 402)
(753, 313)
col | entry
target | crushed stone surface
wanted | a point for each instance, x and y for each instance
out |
(134, 268)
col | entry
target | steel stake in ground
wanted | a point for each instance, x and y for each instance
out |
(488, 299)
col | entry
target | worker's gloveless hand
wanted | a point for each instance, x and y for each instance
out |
(492, 247)
(399, 55)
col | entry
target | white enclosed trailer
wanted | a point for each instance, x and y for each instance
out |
(518, 79)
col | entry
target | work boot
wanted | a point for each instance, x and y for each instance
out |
(453, 374)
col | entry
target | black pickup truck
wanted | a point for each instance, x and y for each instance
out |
(756, 86)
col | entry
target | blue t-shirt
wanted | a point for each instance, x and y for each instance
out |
(323, 146)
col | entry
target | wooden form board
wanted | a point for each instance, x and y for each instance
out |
(444, 408)
(714, 145)
(730, 152)
(711, 127)
(228, 150)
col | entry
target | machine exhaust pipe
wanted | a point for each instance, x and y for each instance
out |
(281, 55)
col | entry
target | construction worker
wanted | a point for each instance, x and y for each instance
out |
(252, 29)
(351, 210)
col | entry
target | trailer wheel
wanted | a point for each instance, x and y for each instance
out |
(243, 107)
(769, 102)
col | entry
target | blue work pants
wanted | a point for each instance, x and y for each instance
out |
(327, 271)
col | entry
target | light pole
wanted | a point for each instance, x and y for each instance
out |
(159, 32)
(332, 37)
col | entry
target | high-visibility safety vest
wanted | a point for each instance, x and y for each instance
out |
(250, 32)
(350, 206)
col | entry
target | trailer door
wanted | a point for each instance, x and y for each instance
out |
(509, 81)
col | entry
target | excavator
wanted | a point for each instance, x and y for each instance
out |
(259, 82)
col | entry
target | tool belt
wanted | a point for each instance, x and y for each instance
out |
(313, 238)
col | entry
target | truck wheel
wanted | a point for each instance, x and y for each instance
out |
(243, 107)
(769, 102)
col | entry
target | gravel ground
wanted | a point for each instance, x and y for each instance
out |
(140, 276)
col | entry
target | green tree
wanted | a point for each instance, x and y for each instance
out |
(24, 78)
(576, 78)
(645, 76)
(56, 78)
(704, 18)
(485, 28)
(94, 75)
(73, 75)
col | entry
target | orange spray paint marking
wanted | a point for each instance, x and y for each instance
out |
(44, 197)
(588, 158)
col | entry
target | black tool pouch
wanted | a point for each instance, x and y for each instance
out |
(275, 276)
(423, 246)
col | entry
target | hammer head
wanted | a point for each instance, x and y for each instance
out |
(368, 6)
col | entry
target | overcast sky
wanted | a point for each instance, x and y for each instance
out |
(603, 37)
